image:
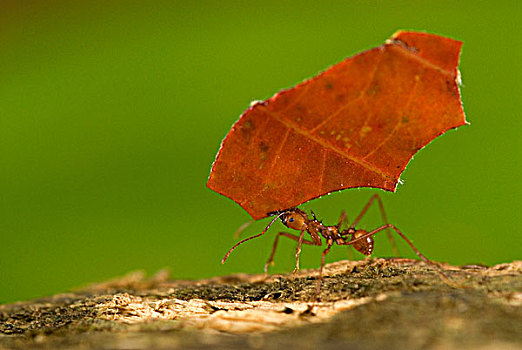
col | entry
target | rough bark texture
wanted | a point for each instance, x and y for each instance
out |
(370, 304)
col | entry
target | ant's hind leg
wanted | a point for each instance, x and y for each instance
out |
(384, 218)
(438, 269)
(274, 246)
(351, 256)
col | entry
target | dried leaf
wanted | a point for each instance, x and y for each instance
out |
(357, 124)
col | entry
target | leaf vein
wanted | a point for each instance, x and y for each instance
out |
(326, 145)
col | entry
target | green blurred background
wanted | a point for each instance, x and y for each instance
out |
(111, 113)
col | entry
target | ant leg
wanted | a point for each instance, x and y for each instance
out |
(320, 277)
(438, 269)
(274, 246)
(298, 250)
(249, 238)
(271, 258)
(384, 218)
(343, 219)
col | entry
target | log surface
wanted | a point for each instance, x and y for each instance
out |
(370, 304)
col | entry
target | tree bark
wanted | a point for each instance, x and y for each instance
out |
(369, 304)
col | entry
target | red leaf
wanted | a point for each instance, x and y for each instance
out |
(357, 124)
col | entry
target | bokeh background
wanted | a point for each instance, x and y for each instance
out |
(111, 113)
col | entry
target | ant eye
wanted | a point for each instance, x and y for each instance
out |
(291, 219)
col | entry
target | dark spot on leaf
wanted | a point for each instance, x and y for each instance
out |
(451, 88)
(300, 108)
(248, 125)
(246, 130)
(373, 89)
(263, 147)
(404, 44)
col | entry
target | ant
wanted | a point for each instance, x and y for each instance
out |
(361, 240)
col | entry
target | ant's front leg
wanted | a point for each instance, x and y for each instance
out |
(298, 249)
(384, 218)
(291, 236)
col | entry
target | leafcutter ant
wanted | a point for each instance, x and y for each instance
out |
(361, 240)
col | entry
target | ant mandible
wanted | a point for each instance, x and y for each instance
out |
(361, 240)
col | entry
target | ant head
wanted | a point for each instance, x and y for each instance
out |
(294, 218)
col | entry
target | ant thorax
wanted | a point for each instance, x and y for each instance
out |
(329, 232)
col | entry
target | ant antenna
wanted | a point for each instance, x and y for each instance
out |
(252, 237)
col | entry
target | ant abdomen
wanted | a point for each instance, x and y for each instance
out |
(363, 246)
